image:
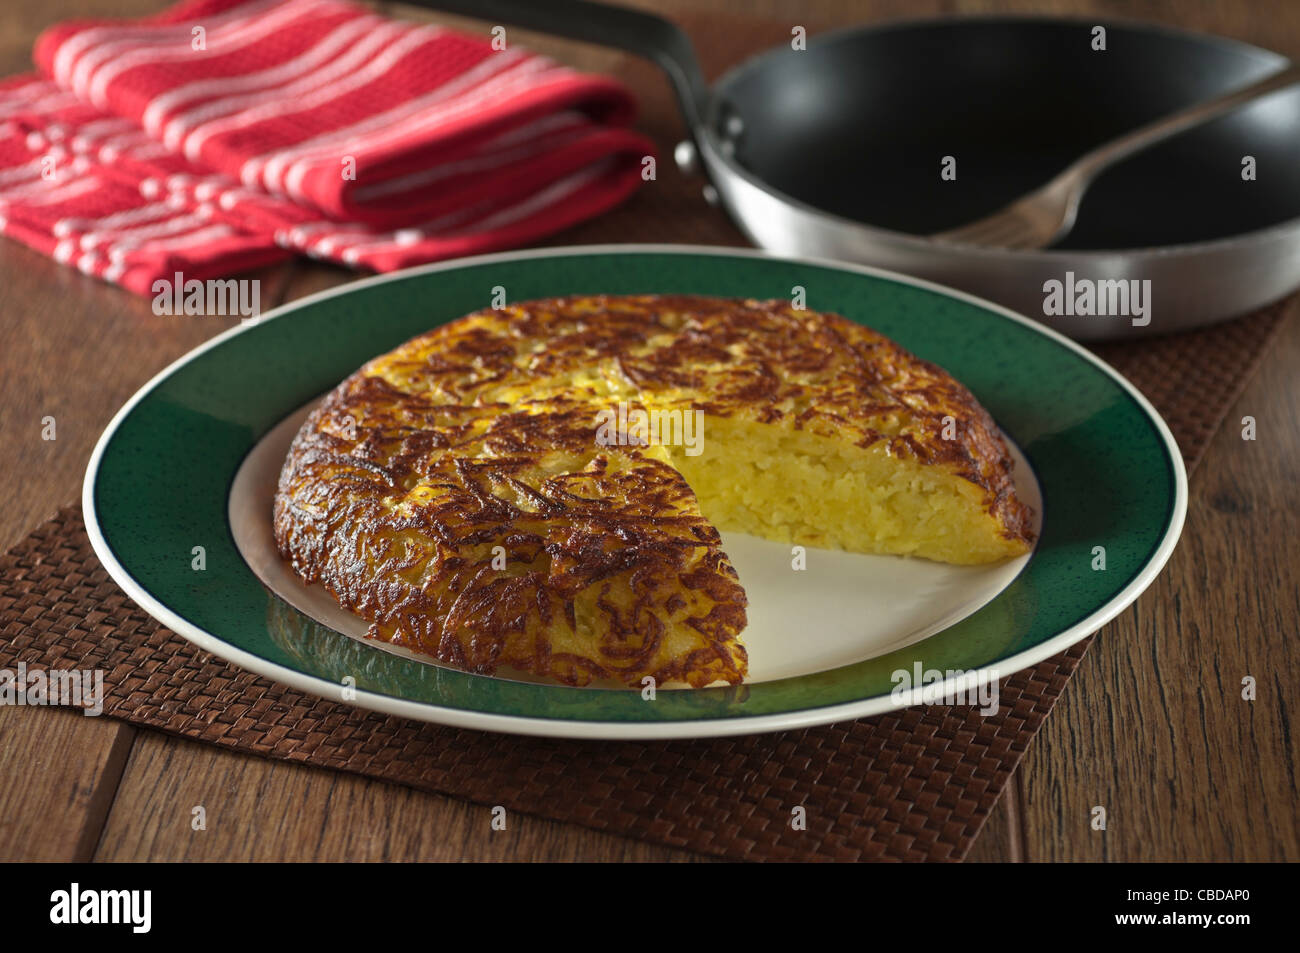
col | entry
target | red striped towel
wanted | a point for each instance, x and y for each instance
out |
(224, 134)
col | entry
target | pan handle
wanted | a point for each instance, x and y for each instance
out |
(641, 33)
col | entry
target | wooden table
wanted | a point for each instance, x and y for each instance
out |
(1152, 726)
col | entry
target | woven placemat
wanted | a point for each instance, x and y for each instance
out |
(911, 785)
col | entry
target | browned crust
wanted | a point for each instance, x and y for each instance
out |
(482, 415)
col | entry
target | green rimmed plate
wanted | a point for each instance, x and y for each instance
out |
(1111, 480)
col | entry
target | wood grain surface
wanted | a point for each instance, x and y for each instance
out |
(1152, 727)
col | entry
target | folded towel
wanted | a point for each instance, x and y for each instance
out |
(225, 134)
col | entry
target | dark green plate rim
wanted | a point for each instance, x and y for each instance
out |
(158, 484)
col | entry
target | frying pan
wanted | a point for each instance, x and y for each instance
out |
(835, 151)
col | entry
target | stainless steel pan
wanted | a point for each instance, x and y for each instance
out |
(836, 151)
